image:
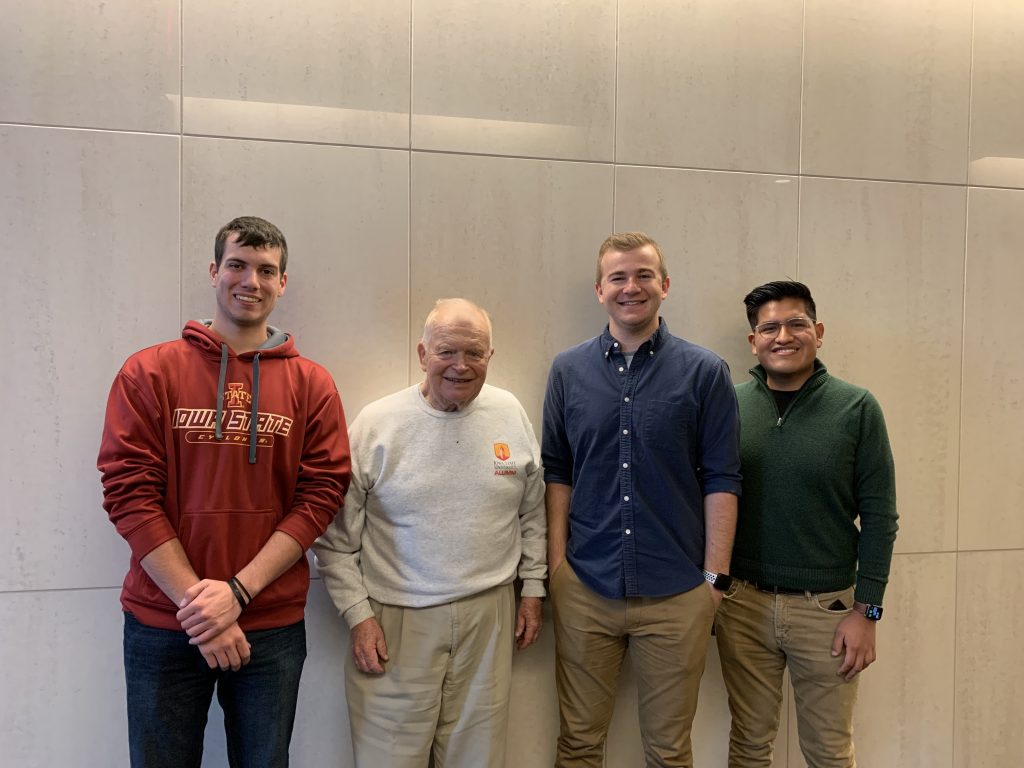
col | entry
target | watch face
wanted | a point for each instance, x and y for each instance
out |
(720, 581)
(873, 612)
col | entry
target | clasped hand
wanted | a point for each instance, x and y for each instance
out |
(209, 613)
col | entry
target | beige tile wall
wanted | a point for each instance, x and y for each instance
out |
(336, 73)
(887, 265)
(997, 104)
(987, 729)
(715, 70)
(992, 438)
(886, 88)
(413, 149)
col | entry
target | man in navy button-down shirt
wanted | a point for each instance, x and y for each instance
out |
(641, 457)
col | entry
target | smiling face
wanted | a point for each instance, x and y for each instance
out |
(248, 283)
(631, 289)
(454, 354)
(787, 357)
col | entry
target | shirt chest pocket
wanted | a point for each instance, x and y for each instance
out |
(670, 427)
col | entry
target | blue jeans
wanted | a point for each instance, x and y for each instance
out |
(170, 688)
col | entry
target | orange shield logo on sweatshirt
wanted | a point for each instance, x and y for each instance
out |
(501, 451)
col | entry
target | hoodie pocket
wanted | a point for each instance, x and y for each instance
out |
(220, 542)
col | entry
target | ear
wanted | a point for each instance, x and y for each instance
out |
(422, 352)
(213, 273)
(599, 292)
(819, 332)
(284, 282)
(664, 287)
(750, 341)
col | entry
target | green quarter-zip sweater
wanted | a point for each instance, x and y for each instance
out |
(810, 476)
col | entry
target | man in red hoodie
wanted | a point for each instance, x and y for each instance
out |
(224, 455)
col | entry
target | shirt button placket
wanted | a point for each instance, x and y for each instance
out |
(626, 483)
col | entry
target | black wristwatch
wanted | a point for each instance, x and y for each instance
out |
(721, 581)
(872, 612)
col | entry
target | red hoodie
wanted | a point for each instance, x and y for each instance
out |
(176, 462)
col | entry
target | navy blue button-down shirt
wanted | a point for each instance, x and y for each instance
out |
(640, 445)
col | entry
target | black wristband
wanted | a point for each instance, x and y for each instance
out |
(241, 586)
(238, 595)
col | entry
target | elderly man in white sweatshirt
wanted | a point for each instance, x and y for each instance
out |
(444, 511)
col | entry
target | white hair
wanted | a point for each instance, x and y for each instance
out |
(442, 304)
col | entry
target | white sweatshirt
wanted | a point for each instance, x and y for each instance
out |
(442, 505)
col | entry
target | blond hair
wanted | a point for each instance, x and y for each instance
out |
(629, 241)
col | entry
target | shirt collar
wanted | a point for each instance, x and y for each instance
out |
(609, 343)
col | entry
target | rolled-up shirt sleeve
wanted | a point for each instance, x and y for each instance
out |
(719, 440)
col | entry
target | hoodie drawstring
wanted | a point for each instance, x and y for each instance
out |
(221, 381)
(254, 416)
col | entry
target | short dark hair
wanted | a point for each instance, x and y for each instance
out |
(253, 232)
(777, 291)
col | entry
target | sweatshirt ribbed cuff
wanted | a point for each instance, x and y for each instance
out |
(358, 613)
(534, 588)
(869, 591)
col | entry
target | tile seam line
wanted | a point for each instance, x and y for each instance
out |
(48, 590)
(960, 409)
(800, 165)
(539, 158)
(181, 159)
(409, 372)
(615, 124)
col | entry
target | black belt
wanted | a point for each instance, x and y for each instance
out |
(774, 590)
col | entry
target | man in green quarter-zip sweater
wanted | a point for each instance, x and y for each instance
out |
(807, 582)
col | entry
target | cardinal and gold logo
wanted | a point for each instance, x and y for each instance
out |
(200, 424)
(236, 396)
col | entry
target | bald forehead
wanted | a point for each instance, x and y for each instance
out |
(451, 315)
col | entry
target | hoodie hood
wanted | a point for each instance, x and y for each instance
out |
(279, 344)
(199, 334)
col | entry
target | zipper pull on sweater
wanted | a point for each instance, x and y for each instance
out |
(779, 422)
